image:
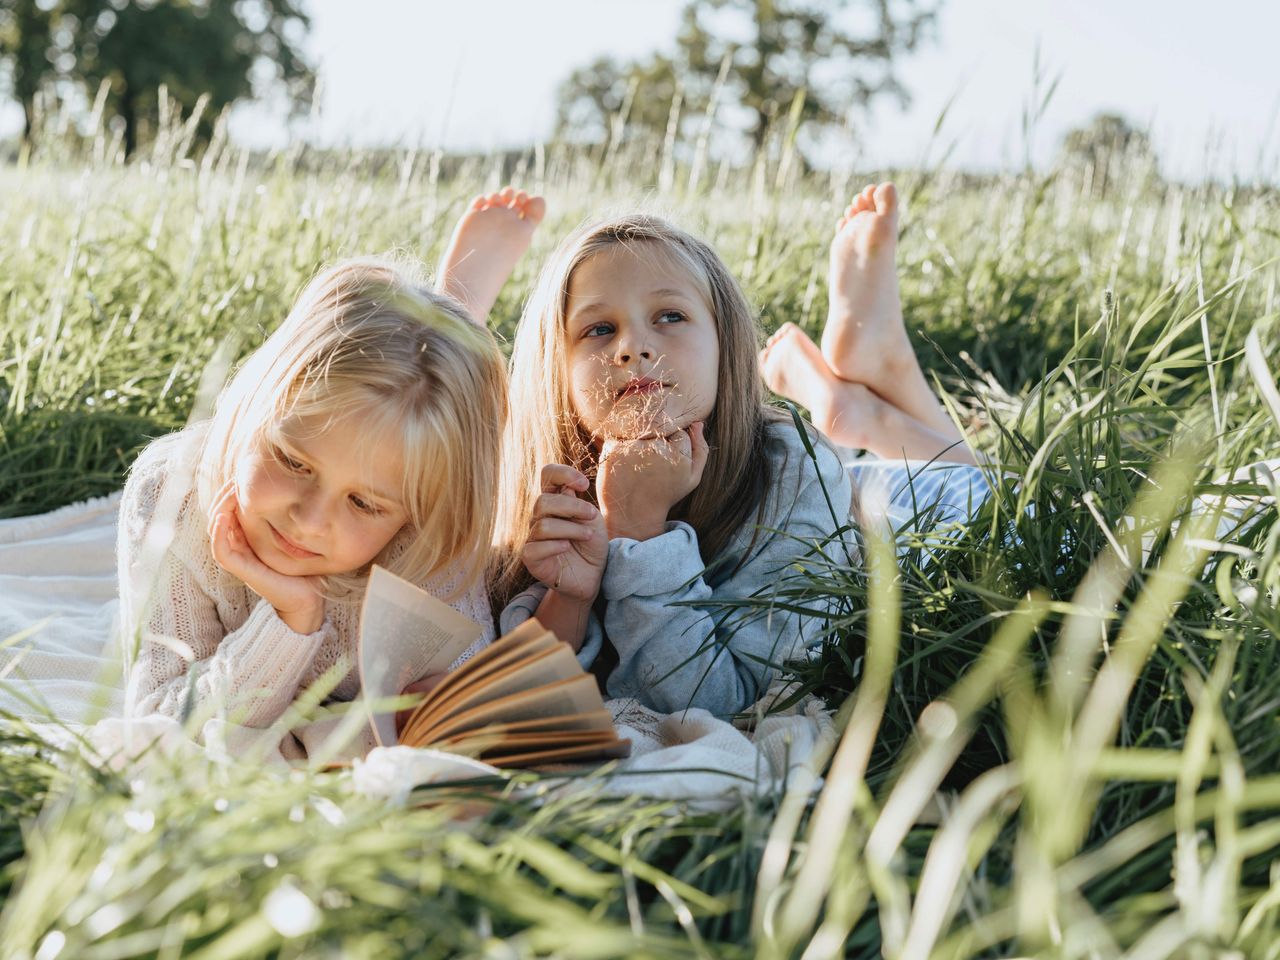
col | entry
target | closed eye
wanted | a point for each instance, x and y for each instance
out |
(364, 506)
(296, 466)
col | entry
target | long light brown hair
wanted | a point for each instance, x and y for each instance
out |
(544, 429)
(367, 339)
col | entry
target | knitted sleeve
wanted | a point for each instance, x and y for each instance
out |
(176, 604)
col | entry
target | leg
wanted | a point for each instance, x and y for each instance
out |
(851, 414)
(865, 338)
(488, 241)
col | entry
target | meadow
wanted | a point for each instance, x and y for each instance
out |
(1060, 721)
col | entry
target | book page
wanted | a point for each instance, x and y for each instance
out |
(523, 643)
(546, 667)
(579, 694)
(405, 634)
(615, 749)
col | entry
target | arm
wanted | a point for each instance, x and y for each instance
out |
(168, 610)
(677, 656)
(531, 603)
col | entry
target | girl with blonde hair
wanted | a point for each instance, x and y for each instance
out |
(644, 476)
(365, 430)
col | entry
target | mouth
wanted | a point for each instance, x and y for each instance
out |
(295, 550)
(641, 387)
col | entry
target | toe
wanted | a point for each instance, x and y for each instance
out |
(478, 203)
(886, 198)
(535, 209)
(506, 195)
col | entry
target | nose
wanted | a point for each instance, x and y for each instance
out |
(632, 346)
(308, 511)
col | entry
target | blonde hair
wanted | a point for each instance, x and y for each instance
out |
(366, 339)
(544, 429)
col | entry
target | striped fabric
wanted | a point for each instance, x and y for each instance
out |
(915, 493)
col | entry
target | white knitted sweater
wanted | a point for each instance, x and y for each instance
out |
(200, 632)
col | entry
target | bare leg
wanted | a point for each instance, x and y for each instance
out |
(865, 338)
(487, 243)
(851, 414)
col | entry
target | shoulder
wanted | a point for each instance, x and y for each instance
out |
(162, 482)
(804, 465)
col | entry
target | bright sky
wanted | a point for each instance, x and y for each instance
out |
(483, 74)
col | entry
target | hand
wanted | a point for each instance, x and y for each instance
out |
(568, 543)
(297, 600)
(423, 686)
(639, 481)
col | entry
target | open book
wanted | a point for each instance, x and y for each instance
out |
(522, 701)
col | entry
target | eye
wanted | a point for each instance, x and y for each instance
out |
(288, 462)
(364, 506)
(598, 330)
(671, 316)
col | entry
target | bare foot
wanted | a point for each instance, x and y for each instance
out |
(851, 414)
(487, 243)
(793, 367)
(865, 338)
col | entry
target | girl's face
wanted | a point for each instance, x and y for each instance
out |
(642, 348)
(322, 500)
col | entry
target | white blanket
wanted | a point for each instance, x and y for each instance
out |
(60, 663)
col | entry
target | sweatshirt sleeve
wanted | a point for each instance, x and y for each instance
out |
(525, 605)
(677, 645)
(186, 660)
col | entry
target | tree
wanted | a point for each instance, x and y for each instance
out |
(28, 51)
(1105, 138)
(762, 58)
(1106, 134)
(227, 49)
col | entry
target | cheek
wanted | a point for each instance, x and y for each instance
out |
(586, 389)
(367, 540)
(258, 487)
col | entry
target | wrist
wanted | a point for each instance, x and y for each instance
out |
(566, 617)
(644, 526)
(304, 621)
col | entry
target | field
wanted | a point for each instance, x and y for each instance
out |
(1061, 722)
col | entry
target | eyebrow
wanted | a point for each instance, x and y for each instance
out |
(600, 307)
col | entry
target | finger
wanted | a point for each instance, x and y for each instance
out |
(221, 502)
(681, 444)
(563, 505)
(537, 551)
(557, 475)
(551, 528)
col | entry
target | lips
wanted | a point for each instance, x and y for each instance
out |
(295, 550)
(640, 387)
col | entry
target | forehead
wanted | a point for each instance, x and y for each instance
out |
(629, 269)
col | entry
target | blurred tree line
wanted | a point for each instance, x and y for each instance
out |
(129, 49)
(745, 65)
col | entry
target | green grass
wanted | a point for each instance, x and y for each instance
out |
(1082, 684)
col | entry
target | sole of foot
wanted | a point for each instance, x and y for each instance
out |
(793, 367)
(487, 243)
(865, 338)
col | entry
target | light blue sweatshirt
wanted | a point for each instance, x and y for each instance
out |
(671, 657)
